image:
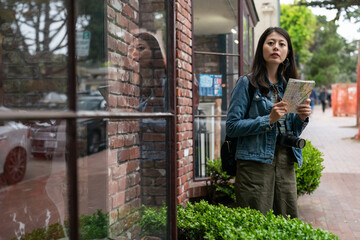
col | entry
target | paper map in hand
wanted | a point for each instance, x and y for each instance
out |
(296, 92)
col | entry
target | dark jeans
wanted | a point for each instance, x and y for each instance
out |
(265, 186)
(323, 104)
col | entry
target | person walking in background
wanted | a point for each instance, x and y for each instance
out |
(323, 98)
(313, 98)
(265, 172)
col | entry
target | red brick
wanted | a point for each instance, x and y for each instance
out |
(110, 13)
(116, 142)
(128, 11)
(112, 101)
(122, 184)
(132, 166)
(158, 137)
(123, 155)
(118, 199)
(113, 187)
(118, 171)
(135, 153)
(112, 128)
(132, 193)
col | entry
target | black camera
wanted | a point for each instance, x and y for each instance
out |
(289, 140)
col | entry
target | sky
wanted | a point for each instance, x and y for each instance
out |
(346, 29)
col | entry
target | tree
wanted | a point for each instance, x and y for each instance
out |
(33, 47)
(348, 59)
(300, 23)
(351, 8)
(333, 60)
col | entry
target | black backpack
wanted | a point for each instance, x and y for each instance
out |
(228, 148)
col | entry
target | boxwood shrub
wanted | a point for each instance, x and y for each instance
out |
(90, 227)
(308, 176)
(219, 184)
(201, 220)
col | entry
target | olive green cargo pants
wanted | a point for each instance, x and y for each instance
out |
(264, 186)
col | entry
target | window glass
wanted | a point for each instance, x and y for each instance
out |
(33, 186)
(33, 55)
(121, 67)
(215, 25)
(251, 44)
(116, 182)
(216, 77)
(121, 54)
(122, 161)
(246, 45)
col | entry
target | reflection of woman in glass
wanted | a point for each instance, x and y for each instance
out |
(148, 53)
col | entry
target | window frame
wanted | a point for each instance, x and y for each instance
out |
(71, 116)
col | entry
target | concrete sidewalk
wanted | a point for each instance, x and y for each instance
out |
(335, 205)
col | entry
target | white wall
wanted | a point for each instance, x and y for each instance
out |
(269, 15)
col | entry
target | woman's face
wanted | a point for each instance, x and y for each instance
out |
(275, 49)
(140, 52)
(145, 54)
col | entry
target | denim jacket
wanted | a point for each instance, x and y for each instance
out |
(256, 137)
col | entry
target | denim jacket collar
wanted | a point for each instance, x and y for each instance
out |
(279, 85)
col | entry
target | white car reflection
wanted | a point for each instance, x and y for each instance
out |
(48, 138)
(14, 151)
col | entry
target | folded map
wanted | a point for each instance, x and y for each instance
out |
(296, 92)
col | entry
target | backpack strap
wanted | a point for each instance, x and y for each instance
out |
(251, 91)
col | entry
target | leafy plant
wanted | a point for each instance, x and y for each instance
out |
(308, 176)
(153, 221)
(202, 220)
(94, 226)
(91, 227)
(219, 184)
(54, 231)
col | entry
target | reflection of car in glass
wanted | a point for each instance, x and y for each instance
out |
(14, 149)
(48, 138)
(91, 132)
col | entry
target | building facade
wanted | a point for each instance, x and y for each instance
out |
(108, 107)
(269, 16)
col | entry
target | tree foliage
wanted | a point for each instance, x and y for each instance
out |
(300, 23)
(333, 60)
(350, 8)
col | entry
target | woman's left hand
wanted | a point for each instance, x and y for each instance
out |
(304, 110)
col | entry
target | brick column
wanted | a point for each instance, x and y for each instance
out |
(124, 154)
(184, 109)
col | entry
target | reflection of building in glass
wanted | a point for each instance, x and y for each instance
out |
(164, 72)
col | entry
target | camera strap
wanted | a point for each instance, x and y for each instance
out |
(282, 129)
(278, 124)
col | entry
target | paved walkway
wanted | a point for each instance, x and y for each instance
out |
(335, 205)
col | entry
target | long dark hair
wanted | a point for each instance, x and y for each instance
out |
(287, 69)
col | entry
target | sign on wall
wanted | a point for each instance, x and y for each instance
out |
(210, 85)
(82, 43)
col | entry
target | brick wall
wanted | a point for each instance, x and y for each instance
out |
(184, 109)
(137, 83)
(124, 136)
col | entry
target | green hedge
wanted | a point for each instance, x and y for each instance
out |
(308, 176)
(202, 220)
(90, 227)
(220, 185)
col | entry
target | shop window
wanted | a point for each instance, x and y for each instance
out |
(217, 58)
(116, 104)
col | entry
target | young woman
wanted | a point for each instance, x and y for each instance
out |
(265, 177)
